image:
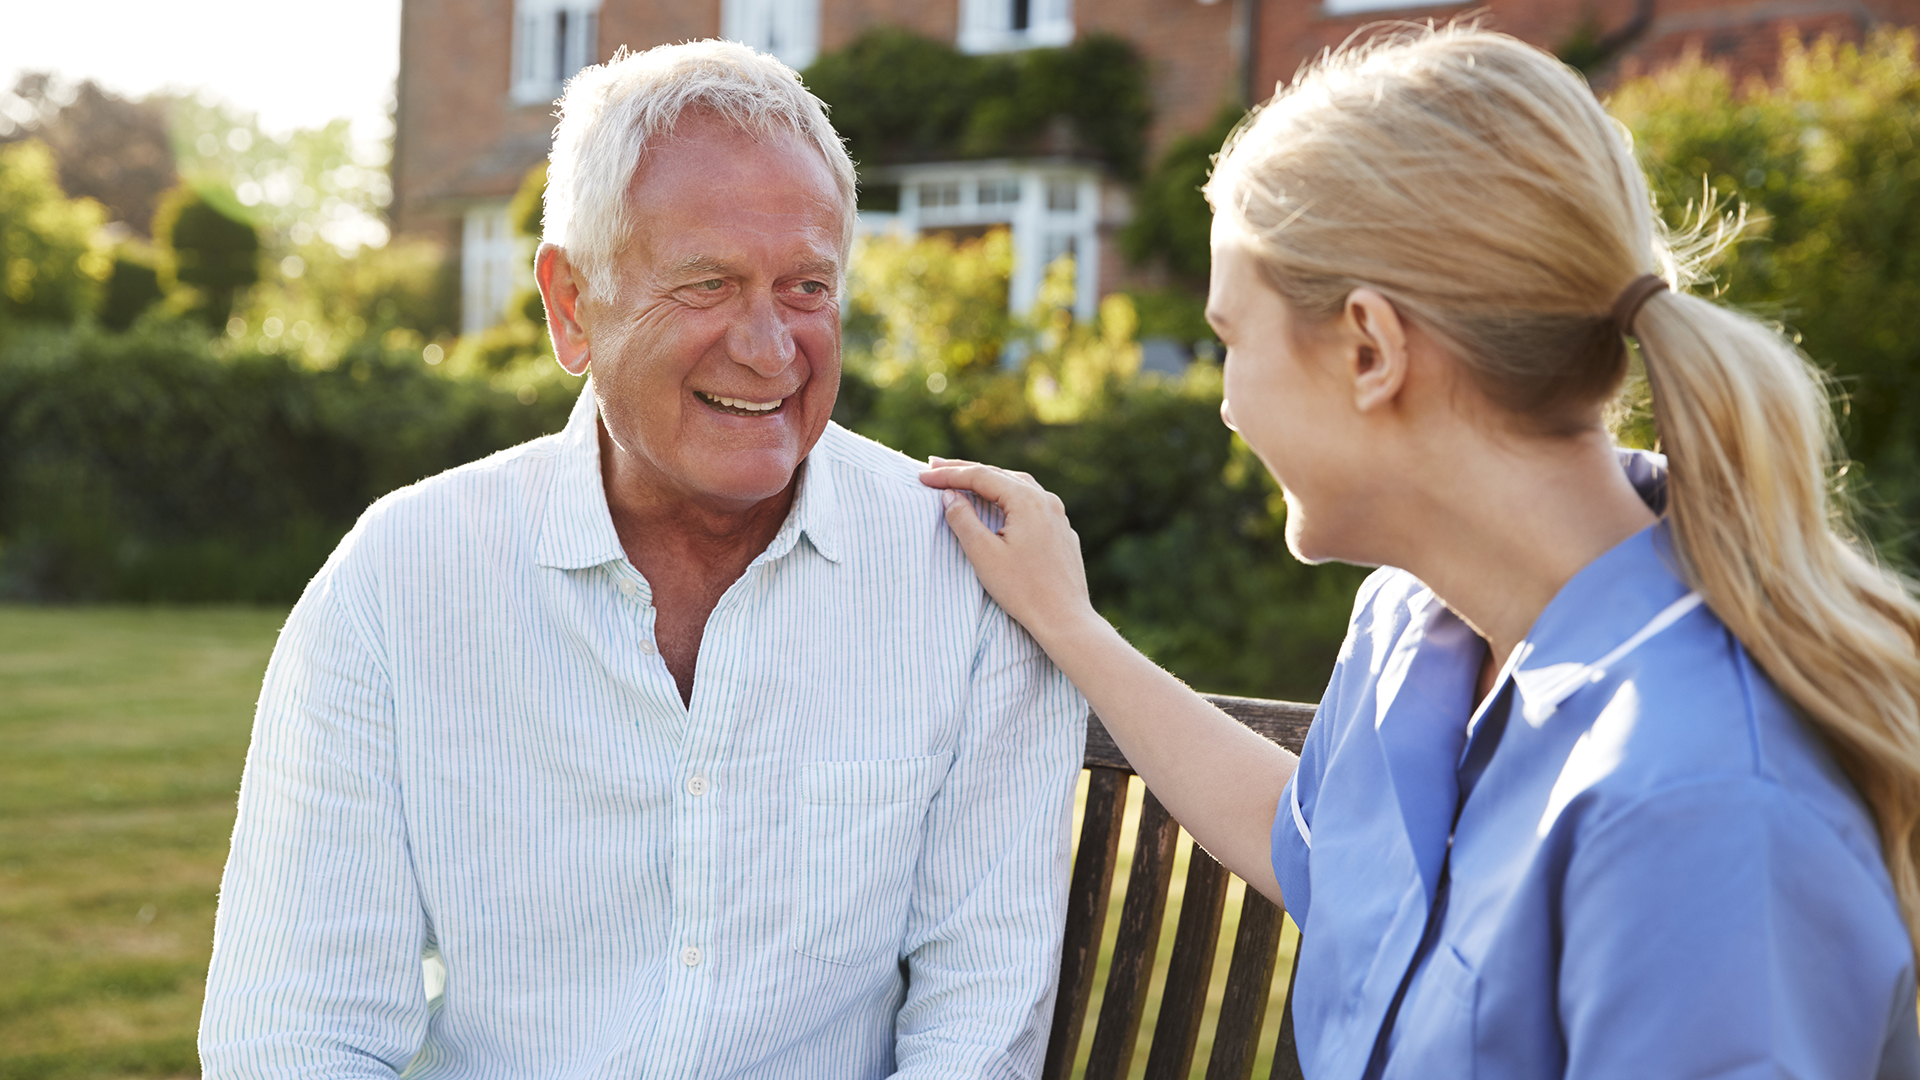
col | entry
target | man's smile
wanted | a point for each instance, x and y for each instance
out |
(739, 406)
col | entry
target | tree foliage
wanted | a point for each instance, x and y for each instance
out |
(899, 97)
(155, 466)
(1828, 161)
(1171, 218)
(109, 149)
(215, 250)
(50, 267)
(1182, 528)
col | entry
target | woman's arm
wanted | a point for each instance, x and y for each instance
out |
(1217, 778)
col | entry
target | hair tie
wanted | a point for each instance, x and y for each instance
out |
(1632, 297)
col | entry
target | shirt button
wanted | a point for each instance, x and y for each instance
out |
(696, 786)
(646, 647)
(628, 588)
(690, 956)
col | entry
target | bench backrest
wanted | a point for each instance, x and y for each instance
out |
(1250, 973)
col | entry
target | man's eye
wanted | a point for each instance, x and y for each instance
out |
(711, 285)
(812, 288)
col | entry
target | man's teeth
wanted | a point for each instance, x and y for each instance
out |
(742, 405)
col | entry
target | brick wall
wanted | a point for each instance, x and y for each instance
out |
(1744, 34)
(460, 137)
(1190, 57)
(843, 20)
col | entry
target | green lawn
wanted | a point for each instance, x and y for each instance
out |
(122, 734)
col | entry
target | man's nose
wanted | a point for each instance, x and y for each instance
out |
(761, 339)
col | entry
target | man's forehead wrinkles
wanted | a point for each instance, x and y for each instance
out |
(703, 263)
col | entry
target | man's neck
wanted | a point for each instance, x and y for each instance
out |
(691, 553)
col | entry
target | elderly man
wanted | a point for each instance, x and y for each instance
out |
(685, 741)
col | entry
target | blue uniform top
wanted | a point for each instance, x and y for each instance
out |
(1661, 872)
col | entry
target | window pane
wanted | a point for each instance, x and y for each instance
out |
(999, 192)
(1063, 195)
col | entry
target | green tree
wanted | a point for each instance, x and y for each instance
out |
(108, 148)
(896, 96)
(214, 250)
(1181, 527)
(50, 267)
(1171, 218)
(1828, 161)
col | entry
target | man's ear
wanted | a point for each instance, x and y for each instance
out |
(560, 289)
(1377, 348)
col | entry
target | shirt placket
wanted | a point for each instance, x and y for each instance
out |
(701, 839)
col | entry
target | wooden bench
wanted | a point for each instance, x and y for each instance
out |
(1250, 973)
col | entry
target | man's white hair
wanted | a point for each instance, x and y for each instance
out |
(614, 112)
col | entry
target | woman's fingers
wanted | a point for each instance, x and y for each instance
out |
(995, 485)
(967, 527)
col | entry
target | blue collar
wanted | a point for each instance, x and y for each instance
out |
(1424, 693)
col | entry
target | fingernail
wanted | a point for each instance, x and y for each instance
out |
(934, 459)
(948, 498)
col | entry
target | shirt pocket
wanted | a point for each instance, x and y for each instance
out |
(1435, 1030)
(860, 831)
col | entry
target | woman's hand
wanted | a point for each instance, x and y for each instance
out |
(1032, 566)
(1219, 779)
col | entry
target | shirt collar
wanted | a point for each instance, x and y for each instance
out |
(576, 529)
(815, 513)
(1613, 604)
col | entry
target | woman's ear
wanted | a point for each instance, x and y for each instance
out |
(560, 290)
(1375, 348)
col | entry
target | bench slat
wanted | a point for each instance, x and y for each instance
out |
(1243, 1009)
(1284, 722)
(1250, 972)
(1132, 967)
(1183, 999)
(1087, 895)
(1286, 1056)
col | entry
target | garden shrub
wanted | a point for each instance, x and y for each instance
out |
(1828, 161)
(143, 466)
(215, 250)
(50, 268)
(899, 97)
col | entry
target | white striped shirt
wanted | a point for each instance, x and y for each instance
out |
(846, 857)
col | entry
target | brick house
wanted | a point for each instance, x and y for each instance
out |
(478, 79)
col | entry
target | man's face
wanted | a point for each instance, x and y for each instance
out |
(717, 358)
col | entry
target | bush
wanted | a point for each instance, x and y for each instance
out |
(1171, 220)
(133, 286)
(1829, 162)
(145, 467)
(899, 97)
(50, 270)
(1181, 527)
(215, 250)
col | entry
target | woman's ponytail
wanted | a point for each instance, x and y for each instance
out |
(1748, 433)
(1477, 183)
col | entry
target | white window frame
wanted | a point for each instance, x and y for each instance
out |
(1039, 224)
(987, 26)
(788, 29)
(552, 40)
(494, 264)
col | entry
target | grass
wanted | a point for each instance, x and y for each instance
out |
(124, 732)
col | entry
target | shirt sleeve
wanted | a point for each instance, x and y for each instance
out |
(1720, 929)
(982, 946)
(317, 944)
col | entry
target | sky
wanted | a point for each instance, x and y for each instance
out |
(296, 64)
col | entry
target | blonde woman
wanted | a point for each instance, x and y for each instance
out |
(1619, 770)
